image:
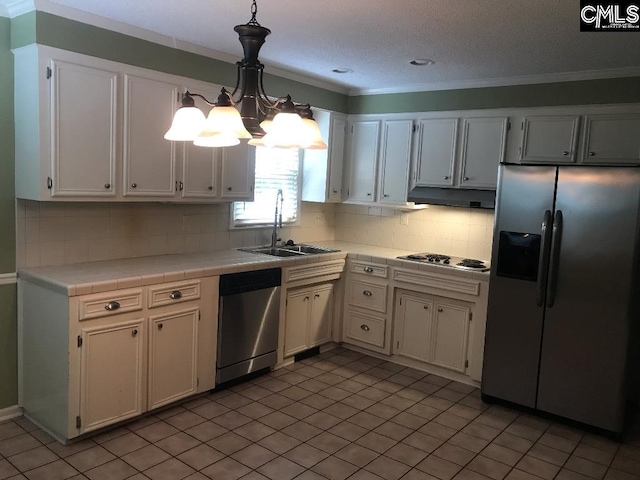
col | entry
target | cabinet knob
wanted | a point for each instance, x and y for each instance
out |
(134, 185)
(426, 307)
(440, 310)
(229, 189)
(368, 269)
(210, 187)
(317, 295)
(592, 154)
(368, 194)
(175, 295)
(466, 179)
(160, 326)
(111, 306)
(134, 332)
(305, 299)
(565, 153)
(367, 293)
(335, 191)
(107, 186)
(385, 195)
(447, 177)
(365, 327)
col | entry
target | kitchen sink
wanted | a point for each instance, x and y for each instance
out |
(289, 250)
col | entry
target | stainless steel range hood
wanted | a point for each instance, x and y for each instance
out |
(457, 197)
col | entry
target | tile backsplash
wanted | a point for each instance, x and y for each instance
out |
(65, 233)
(462, 232)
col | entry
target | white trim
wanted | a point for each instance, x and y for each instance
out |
(505, 82)
(16, 8)
(8, 278)
(10, 412)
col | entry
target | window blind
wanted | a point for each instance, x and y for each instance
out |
(275, 168)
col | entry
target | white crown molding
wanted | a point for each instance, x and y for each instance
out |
(8, 278)
(505, 82)
(19, 7)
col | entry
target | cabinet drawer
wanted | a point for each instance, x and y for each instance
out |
(110, 303)
(368, 268)
(365, 328)
(368, 295)
(167, 294)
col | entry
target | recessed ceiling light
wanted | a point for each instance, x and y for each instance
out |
(342, 70)
(421, 62)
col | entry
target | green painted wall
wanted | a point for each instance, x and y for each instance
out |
(614, 90)
(8, 323)
(47, 29)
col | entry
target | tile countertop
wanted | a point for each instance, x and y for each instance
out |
(95, 277)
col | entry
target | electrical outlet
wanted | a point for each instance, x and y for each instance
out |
(319, 218)
(404, 219)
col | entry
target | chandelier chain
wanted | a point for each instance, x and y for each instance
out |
(254, 12)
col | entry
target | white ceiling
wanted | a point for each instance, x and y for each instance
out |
(473, 42)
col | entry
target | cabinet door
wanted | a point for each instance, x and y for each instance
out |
(84, 120)
(438, 139)
(551, 139)
(413, 329)
(321, 315)
(611, 139)
(483, 144)
(297, 320)
(149, 159)
(448, 346)
(111, 373)
(172, 356)
(395, 160)
(336, 157)
(363, 159)
(238, 172)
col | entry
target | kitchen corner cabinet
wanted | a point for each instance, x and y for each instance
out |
(322, 169)
(432, 329)
(94, 360)
(308, 317)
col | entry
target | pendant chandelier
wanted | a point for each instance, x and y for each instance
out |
(247, 112)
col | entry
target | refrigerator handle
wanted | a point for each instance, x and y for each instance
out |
(543, 262)
(555, 258)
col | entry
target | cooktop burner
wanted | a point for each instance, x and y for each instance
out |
(448, 261)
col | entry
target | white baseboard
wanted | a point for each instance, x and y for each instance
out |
(10, 412)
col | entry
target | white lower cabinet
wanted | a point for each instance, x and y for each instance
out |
(432, 329)
(308, 318)
(112, 372)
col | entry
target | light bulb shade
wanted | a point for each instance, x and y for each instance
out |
(226, 120)
(266, 125)
(216, 140)
(187, 124)
(314, 137)
(287, 131)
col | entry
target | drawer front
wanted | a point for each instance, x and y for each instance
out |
(110, 303)
(368, 268)
(168, 294)
(365, 329)
(368, 295)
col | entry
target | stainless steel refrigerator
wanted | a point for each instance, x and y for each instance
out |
(563, 310)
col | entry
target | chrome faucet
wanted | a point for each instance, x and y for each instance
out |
(277, 221)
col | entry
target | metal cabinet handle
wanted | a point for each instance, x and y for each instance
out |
(229, 188)
(368, 269)
(426, 307)
(440, 310)
(175, 295)
(181, 185)
(385, 195)
(365, 327)
(565, 153)
(447, 177)
(367, 293)
(160, 326)
(111, 306)
(317, 295)
(134, 185)
(466, 179)
(210, 187)
(335, 191)
(592, 154)
(305, 299)
(368, 194)
(107, 186)
(134, 332)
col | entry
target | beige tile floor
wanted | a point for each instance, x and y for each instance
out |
(335, 416)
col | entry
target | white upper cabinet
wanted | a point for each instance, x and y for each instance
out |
(148, 159)
(611, 139)
(549, 139)
(322, 169)
(238, 172)
(482, 150)
(363, 160)
(395, 159)
(438, 138)
(84, 114)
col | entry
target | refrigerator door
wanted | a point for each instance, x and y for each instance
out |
(584, 347)
(516, 287)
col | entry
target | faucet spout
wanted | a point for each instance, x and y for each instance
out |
(277, 220)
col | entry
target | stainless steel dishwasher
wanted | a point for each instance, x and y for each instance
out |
(248, 318)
